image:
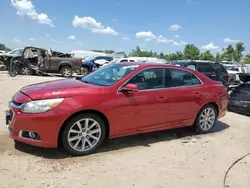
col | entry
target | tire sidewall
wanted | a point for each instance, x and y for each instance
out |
(70, 123)
(71, 72)
(197, 121)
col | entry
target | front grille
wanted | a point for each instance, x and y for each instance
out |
(16, 103)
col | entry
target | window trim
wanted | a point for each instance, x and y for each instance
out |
(198, 67)
(201, 83)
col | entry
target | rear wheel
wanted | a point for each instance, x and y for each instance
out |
(206, 119)
(83, 134)
(66, 71)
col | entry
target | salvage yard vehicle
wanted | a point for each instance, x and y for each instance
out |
(41, 61)
(6, 57)
(240, 98)
(213, 70)
(117, 100)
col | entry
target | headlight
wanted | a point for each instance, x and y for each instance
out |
(41, 106)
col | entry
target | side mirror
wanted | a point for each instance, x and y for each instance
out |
(130, 88)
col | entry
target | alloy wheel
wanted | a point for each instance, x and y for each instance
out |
(207, 119)
(25, 71)
(66, 72)
(84, 134)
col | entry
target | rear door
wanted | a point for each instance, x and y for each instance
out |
(184, 96)
(207, 70)
(221, 73)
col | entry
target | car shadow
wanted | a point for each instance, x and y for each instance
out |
(124, 142)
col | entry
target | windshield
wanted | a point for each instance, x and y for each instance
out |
(109, 75)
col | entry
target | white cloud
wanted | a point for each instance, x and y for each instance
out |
(26, 8)
(80, 43)
(176, 36)
(16, 41)
(149, 36)
(47, 35)
(125, 38)
(210, 46)
(53, 40)
(72, 37)
(228, 40)
(174, 27)
(162, 39)
(31, 39)
(181, 43)
(108, 31)
(93, 25)
(146, 35)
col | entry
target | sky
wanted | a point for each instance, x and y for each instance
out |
(121, 25)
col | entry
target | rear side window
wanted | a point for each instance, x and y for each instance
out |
(205, 68)
(180, 78)
(193, 67)
(219, 68)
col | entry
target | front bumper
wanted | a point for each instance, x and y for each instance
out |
(46, 126)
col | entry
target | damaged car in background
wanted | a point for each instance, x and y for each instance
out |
(43, 61)
(239, 100)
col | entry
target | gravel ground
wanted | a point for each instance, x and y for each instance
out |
(168, 159)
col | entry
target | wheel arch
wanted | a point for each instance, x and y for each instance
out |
(91, 111)
(208, 103)
(64, 64)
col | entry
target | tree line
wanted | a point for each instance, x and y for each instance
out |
(192, 52)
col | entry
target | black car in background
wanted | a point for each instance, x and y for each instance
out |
(239, 99)
(215, 71)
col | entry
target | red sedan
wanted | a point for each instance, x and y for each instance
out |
(117, 100)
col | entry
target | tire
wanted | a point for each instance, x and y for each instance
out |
(66, 71)
(206, 119)
(12, 74)
(25, 70)
(85, 70)
(82, 140)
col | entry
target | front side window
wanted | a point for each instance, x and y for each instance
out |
(109, 75)
(149, 79)
(180, 78)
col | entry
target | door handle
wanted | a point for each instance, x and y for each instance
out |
(162, 98)
(197, 93)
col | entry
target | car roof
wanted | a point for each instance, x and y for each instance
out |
(152, 64)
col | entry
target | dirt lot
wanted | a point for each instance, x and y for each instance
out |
(168, 159)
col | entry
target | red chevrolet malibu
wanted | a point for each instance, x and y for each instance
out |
(117, 100)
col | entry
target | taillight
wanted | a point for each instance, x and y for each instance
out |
(80, 61)
(228, 75)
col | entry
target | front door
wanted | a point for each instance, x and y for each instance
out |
(145, 109)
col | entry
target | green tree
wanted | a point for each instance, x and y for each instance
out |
(239, 48)
(180, 55)
(172, 56)
(228, 54)
(218, 57)
(109, 51)
(191, 52)
(161, 56)
(3, 47)
(207, 55)
(247, 59)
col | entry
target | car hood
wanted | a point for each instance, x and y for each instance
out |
(60, 88)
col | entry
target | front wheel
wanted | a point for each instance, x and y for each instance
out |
(66, 72)
(83, 134)
(25, 70)
(206, 119)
